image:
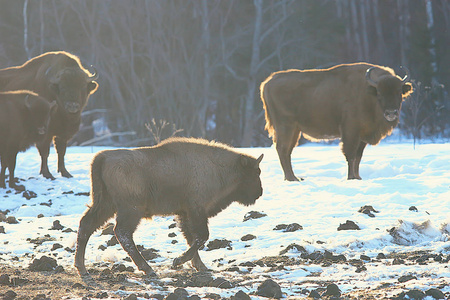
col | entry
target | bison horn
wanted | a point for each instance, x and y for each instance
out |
(258, 161)
(93, 76)
(52, 79)
(369, 80)
(406, 74)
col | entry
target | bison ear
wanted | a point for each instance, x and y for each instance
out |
(92, 87)
(406, 89)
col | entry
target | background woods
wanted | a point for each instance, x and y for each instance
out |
(194, 67)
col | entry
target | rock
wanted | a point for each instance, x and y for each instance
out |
(381, 256)
(43, 264)
(218, 244)
(2, 229)
(415, 294)
(406, 278)
(240, 296)
(398, 261)
(269, 289)
(435, 293)
(178, 294)
(413, 208)
(294, 247)
(108, 229)
(131, 297)
(29, 195)
(4, 279)
(57, 225)
(112, 242)
(368, 209)
(2, 217)
(248, 237)
(365, 257)
(11, 220)
(102, 295)
(56, 246)
(172, 234)
(9, 295)
(39, 216)
(200, 279)
(293, 227)
(314, 294)
(221, 283)
(332, 290)
(149, 254)
(253, 215)
(348, 225)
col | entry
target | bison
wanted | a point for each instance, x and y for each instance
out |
(54, 76)
(359, 103)
(24, 120)
(191, 178)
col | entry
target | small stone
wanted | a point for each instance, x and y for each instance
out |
(57, 225)
(364, 257)
(112, 242)
(108, 229)
(435, 293)
(56, 246)
(413, 208)
(2, 229)
(9, 295)
(415, 294)
(43, 264)
(253, 215)
(131, 297)
(29, 195)
(240, 296)
(314, 294)
(172, 234)
(248, 237)
(11, 220)
(293, 227)
(381, 256)
(348, 225)
(332, 290)
(39, 216)
(221, 283)
(4, 279)
(218, 244)
(406, 278)
(270, 289)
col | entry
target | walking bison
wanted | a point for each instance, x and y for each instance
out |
(24, 120)
(54, 76)
(359, 103)
(191, 178)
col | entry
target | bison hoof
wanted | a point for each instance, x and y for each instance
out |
(48, 175)
(293, 178)
(66, 174)
(176, 263)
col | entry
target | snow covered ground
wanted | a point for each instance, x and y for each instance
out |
(395, 178)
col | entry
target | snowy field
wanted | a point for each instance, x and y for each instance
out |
(410, 189)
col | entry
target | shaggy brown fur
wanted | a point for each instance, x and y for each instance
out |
(54, 76)
(191, 178)
(24, 120)
(339, 102)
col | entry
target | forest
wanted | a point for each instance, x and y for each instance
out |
(193, 68)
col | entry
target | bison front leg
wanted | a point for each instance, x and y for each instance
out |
(195, 230)
(44, 150)
(359, 154)
(11, 164)
(125, 227)
(61, 146)
(350, 146)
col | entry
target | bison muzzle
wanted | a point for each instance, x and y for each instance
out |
(359, 103)
(191, 178)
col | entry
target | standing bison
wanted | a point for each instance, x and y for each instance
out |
(359, 103)
(191, 178)
(54, 76)
(24, 120)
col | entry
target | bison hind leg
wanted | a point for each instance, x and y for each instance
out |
(287, 139)
(93, 218)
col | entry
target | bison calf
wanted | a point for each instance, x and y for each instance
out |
(24, 119)
(191, 178)
(359, 103)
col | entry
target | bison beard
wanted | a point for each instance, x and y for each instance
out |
(359, 103)
(191, 178)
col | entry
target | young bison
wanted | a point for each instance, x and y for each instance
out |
(24, 119)
(191, 178)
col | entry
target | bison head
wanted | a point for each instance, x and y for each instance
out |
(39, 114)
(250, 187)
(72, 87)
(390, 91)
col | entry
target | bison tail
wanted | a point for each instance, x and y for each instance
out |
(102, 206)
(266, 100)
